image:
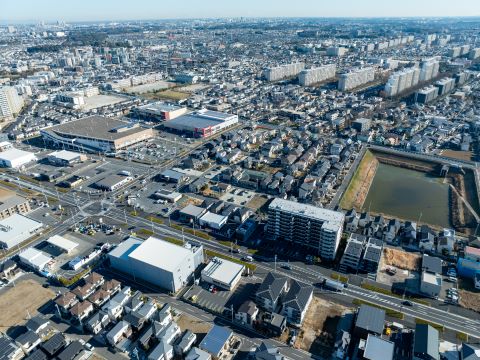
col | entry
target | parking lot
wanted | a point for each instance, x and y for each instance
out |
(158, 150)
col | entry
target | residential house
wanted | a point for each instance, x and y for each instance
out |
(37, 324)
(120, 330)
(112, 286)
(426, 343)
(99, 297)
(10, 351)
(272, 288)
(98, 321)
(185, 343)
(296, 302)
(53, 345)
(198, 354)
(247, 313)
(28, 341)
(81, 310)
(267, 352)
(66, 301)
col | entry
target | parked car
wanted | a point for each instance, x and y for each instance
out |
(407, 303)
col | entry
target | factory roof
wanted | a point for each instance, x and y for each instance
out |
(222, 270)
(17, 228)
(65, 155)
(199, 120)
(13, 154)
(333, 217)
(161, 254)
(62, 243)
(159, 106)
(97, 127)
(35, 257)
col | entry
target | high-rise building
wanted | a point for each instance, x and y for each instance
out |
(474, 54)
(10, 102)
(306, 225)
(426, 95)
(402, 80)
(315, 75)
(429, 68)
(283, 71)
(355, 78)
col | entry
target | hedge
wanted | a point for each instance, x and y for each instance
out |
(212, 253)
(388, 312)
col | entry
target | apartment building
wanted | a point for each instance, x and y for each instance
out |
(11, 203)
(317, 228)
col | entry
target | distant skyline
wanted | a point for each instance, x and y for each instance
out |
(98, 10)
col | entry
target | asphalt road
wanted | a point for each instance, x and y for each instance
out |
(314, 274)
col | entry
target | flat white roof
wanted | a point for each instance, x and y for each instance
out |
(161, 254)
(17, 228)
(430, 278)
(14, 154)
(62, 243)
(34, 257)
(210, 217)
(65, 155)
(222, 270)
(310, 211)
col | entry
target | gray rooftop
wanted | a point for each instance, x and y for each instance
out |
(426, 341)
(371, 319)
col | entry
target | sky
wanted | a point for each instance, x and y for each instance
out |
(94, 10)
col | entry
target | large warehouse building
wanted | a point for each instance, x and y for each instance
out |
(203, 123)
(156, 261)
(160, 111)
(317, 228)
(96, 134)
(16, 229)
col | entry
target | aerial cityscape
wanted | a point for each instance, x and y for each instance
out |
(261, 180)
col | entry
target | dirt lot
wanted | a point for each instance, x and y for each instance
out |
(317, 334)
(470, 300)
(23, 299)
(195, 325)
(257, 202)
(455, 154)
(401, 259)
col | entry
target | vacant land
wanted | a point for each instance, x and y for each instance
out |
(317, 334)
(469, 300)
(357, 190)
(257, 202)
(22, 300)
(195, 325)
(455, 154)
(402, 259)
(167, 95)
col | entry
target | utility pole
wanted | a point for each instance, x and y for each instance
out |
(275, 262)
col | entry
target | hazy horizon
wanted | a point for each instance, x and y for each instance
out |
(25, 11)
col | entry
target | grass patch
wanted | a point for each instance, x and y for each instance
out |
(211, 253)
(133, 213)
(421, 301)
(439, 327)
(8, 184)
(62, 189)
(388, 312)
(252, 251)
(349, 198)
(228, 244)
(462, 337)
(378, 289)
(145, 232)
(338, 277)
(190, 231)
(173, 240)
(155, 219)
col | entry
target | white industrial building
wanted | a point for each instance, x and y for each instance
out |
(311, 76)
(61, 243)
(35, 259)
(213, 221)
(16, 229)
(65, 157)
(15, 158)
(160, 111)
(355, 78)
(222, 273)
(156, 261)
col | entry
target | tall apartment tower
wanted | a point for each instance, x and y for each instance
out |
(306, 225)
(315, 75)
(10, 102)
(355, 78)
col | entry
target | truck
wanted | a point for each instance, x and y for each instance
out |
(333, 285)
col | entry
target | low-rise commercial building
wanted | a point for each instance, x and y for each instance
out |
(16, 229)
(11, 203)
(222, 273)
(15, 158)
